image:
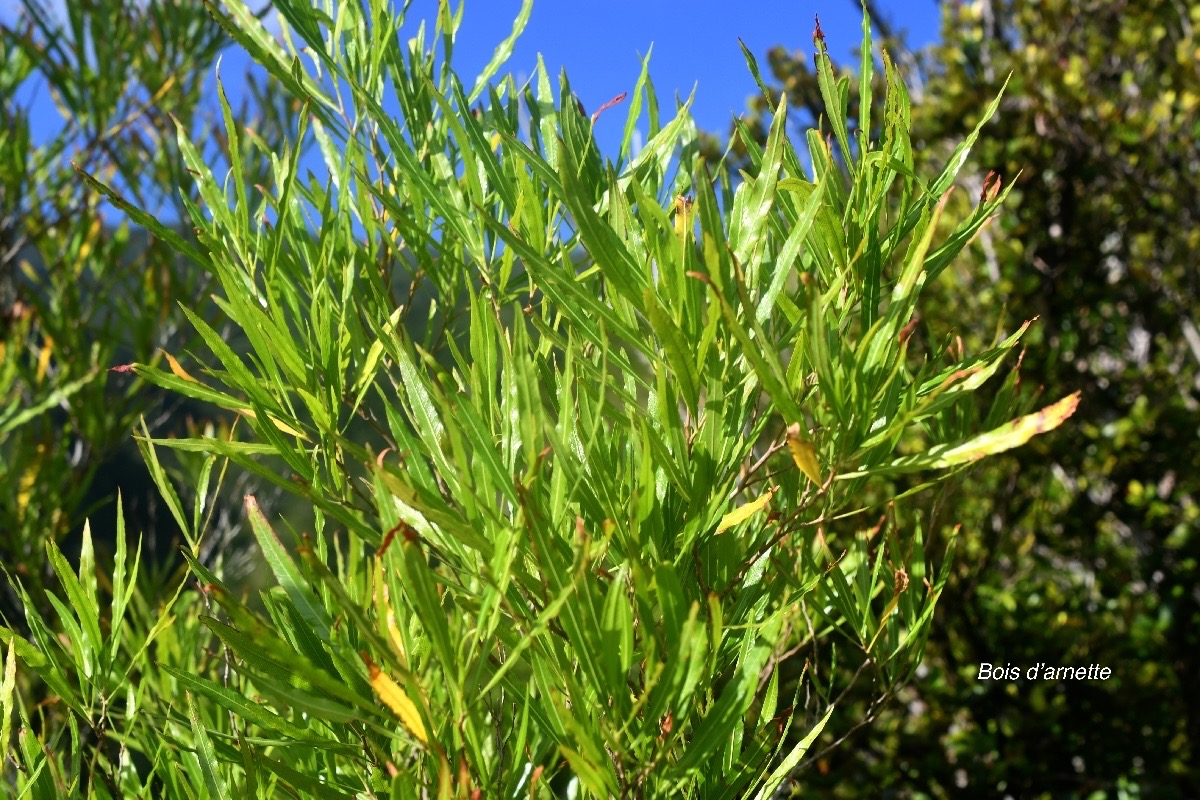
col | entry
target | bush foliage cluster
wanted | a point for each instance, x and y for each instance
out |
(652, 473)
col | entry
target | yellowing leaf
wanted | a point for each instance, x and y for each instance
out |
(44, 358)
(29, 481)
(1014, 434)
(179, 371)
(804, 454)
(1006, 437)
(395, 698)
(85, 247)
(683, 215)
(283, 426)
(743, 513)
(383, 603)
(7, 687)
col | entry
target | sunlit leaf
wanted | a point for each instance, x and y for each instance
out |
(745, 512)
(804, 454)
(395, 698)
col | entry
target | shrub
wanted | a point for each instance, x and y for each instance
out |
(655, 464)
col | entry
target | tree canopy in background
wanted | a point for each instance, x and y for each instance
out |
(1081, 548)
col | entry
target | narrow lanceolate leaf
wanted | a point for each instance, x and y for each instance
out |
(1014, 434)
(745, 512)
(1006, 437)
(85, 609)
(718, 725)
(503, 51)
(286, 572)
(804, 454)
(206, 754)
(395, 698)
(748, 227)
(793, 758)
(283, 426)
(179, 371)
(678, 355)
(242, 706)
(7, 688)
(160, 231)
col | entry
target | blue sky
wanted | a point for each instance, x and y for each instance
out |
(600, 45)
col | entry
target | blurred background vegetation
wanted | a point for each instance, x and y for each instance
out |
(1078, 549)
(84, 289)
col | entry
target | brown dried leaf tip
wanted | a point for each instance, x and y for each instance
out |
(664, 726)
(387, 541)
(409, 533)
(991, 187)
(607, 106)
(534, 778)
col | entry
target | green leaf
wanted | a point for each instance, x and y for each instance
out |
(834, 95)
(421, 591)
(866, 71)
(717, 726)
(86, 610)
(792, 759)
(797, 236)
(205, 754)
(503, 51)
(242, 706)
(286, 573)
(147, 221)
(747, 227)
(319, 787)
(763, 359)
(678, 354)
